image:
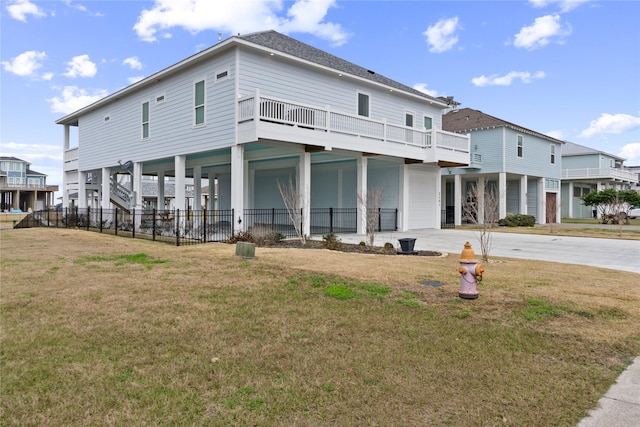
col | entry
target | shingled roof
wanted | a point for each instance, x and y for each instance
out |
(285, 44)
(466, 120)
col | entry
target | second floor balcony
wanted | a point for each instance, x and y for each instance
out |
(609, 174)
(269, 118)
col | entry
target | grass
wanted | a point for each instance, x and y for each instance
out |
(102, 330)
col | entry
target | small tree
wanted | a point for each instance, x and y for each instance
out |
(295, 201)
(612, 204)
(480, 208)
(370, 203)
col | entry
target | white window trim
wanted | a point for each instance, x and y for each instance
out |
(412, 114)
(204, 104)
(219, 79)
(424, 116)
(552, 157)
(368, 95)
(142, 137)
(519, 138)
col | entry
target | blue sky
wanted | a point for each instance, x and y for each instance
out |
(570, 69)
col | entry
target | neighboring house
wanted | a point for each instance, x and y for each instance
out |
(521, 166)
(258, 109)
(585, 170)
(23, 188)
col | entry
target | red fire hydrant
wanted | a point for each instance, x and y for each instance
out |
(470, 273)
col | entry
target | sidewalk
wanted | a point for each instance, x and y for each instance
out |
(620, 406)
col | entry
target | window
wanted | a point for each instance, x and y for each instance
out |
(145, 120)
(520, 145)
(553, 154)
(428, 123)
(363, 104)
(198, 112)
(222, 75)
(408, 120)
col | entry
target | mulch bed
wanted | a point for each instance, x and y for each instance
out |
(348, 247)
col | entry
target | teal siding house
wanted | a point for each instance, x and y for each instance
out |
(522, 165)
(585, 170)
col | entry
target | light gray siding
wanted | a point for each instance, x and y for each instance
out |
(532, 199)
(536, 158)
(170, 122)
(513, 197)
(278, 78)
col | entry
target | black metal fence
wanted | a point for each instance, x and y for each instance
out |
(193, 227)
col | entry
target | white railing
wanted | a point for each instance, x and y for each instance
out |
(286, 112)
(608, 173)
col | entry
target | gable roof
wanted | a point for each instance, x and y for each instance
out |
(285, 44)
(573, 149)
(265, 40)
(466, 120)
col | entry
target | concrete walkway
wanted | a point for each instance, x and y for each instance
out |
(620, 406)
(606, 253)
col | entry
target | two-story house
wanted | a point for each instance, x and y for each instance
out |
(585, 170)
(259, 109)
(521, 166)
(23, 188)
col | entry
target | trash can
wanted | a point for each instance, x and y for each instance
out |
(406, 245)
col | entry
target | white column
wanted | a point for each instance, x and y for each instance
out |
(502, 195)
(304, 185)
(105, 185)
(439, 192)
(542, 202)
(480, 191)
(180, 179)
(82, 190)
(197, 188)
(458, 199)
(523, 195)
(213, 182)
(570, 201)
(404, 197)
(237, 181)
(161, 190)
(361, 189)
(65, 189)
(137, 185)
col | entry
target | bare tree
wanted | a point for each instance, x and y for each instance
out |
(480, 208)
(295, 201)
(371, 203)
(552, 214)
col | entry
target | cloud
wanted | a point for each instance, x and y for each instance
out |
(134, 79)
(133, 62)
(239, 16)
(81, 66)
(441, 36)
(565, 5)
(611, 123)
(631, 152)
(19, 9)
(25, 64)
(557, 134)
(541, 32)
(73, 98)
(422, 87)
(506, 80)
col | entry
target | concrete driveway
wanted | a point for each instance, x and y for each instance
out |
(606, 253)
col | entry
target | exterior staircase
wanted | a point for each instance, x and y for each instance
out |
(120, 195)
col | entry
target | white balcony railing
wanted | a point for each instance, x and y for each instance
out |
(600, 173)
(291, 113)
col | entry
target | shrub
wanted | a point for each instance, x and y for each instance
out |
(518, 220)
(331, 241)
(388, 246)
(261, 236)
